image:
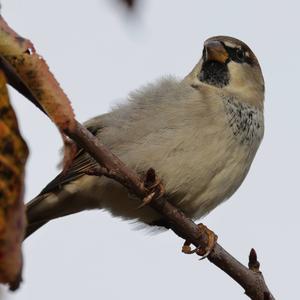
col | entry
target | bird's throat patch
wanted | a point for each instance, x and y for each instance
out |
(214, 73)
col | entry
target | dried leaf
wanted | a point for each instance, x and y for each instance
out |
(70, 150)
(29, 74)
(13, 155)
(34, 72)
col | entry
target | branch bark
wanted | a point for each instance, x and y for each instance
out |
(251, 279)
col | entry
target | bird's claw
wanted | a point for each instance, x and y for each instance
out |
(158, 191)
(210, 242)
(147, 200)
(154, 186)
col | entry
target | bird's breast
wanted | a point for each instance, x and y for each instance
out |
(245, 121)
(221, 160)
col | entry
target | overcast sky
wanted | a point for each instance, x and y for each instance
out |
(98, 55)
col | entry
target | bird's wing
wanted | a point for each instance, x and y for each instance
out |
(80, 165)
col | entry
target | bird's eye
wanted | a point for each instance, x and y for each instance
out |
(240, 55)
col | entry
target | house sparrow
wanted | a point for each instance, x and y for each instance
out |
(200, 134)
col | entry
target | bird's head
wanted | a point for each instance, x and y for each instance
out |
(229, 64)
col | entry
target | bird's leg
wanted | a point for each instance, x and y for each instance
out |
(152, 182)
(154, 185)
(210, 239)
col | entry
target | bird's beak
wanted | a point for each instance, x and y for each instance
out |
(215, 51)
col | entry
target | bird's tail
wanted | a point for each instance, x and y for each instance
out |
(32, 227)
(49, 206)
(34, 219)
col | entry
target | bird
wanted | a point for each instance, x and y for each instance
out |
(200, 133)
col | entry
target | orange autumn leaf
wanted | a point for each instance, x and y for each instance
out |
(13, 155)
(34, 72)
(28, 72)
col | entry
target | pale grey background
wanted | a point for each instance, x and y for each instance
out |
(98, 56)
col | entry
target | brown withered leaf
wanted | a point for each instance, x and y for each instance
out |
(29, 74)
(13, 155)
(35, 74)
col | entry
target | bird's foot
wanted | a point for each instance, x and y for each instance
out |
(210, 240)
(154, 185)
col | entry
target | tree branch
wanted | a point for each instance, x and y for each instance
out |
(251, 279)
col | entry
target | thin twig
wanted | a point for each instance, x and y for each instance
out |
(251, 279)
